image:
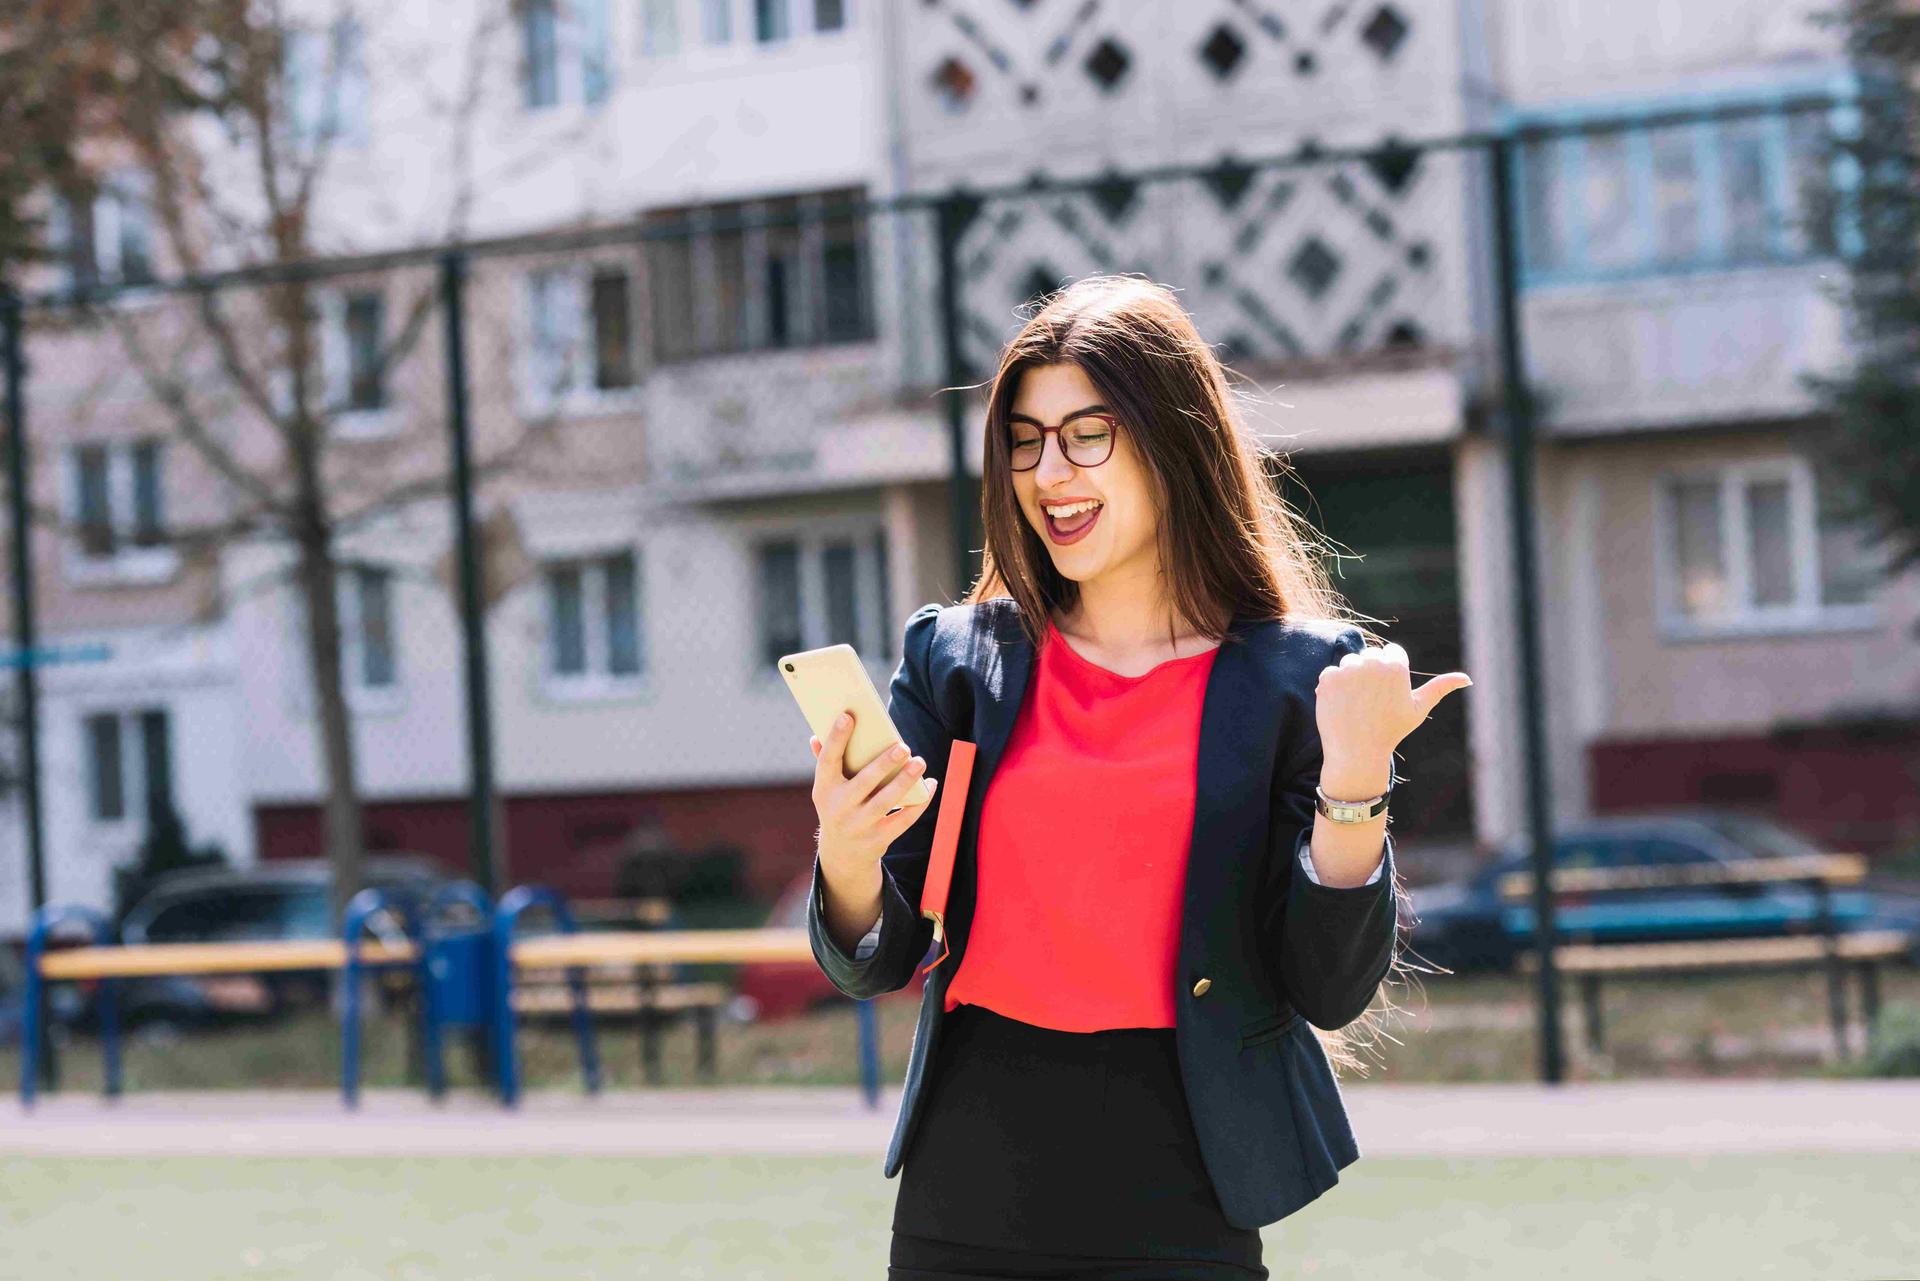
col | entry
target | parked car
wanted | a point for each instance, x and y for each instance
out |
(1466, 925)
(271, 901)
(781, 989)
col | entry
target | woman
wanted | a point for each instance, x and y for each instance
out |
(1155, 916)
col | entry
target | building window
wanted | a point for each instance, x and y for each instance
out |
(129, 755)
(540, 52)
(1647, 199)
(612, 321)
(327, 85)
(367, 613)
(103, 235)
(829, 15)
(798, 277)
(348, 353)
(825, 588)
(143, 457)
(593, 621)
(366, 624)
(117, 506)
(596, 49)
(364, 318)
(93, 500)
(1759, 544)
(716, 21)
(565, 52)
(580, 337)
(659, 28)
(770, 20)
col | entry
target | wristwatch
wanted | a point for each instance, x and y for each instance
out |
(1353, 811)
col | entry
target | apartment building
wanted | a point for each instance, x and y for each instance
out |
(1714, 633)
(733, 449)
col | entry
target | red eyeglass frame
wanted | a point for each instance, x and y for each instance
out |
(1112, 423)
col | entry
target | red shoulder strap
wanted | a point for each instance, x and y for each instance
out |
(946, 840)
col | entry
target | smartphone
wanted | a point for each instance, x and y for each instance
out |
(831, 680)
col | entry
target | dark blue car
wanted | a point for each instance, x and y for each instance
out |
(1466, 925)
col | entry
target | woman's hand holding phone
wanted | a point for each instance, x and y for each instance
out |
(859, 819)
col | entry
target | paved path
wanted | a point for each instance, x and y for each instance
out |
(1630, 1118)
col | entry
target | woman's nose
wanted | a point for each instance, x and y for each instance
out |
(1053, 463)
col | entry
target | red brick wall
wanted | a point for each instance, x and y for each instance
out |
(1846, 790)
(572, 841)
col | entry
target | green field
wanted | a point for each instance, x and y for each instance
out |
(740, 1217)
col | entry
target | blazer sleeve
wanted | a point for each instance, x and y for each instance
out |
(1328, 947)
(885, 960)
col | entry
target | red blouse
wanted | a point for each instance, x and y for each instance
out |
(1084, 835)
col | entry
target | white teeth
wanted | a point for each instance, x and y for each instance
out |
(1072, 509)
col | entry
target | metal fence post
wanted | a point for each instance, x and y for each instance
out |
(953, 212)
(1518, 421)
(25, 638)
(484, 853)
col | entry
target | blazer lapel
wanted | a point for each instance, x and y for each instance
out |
(1229, 777)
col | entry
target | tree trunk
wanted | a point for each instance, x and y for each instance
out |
(345, 854)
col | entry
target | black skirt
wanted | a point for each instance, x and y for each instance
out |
(1043, 1153)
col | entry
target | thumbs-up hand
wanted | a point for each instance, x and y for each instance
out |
(1366, 704)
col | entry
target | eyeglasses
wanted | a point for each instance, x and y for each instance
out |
(1087, 441)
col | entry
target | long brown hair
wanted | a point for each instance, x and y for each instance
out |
(1228, 541)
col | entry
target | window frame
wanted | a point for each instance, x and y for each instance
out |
(117, 200)
(697, 267)
(1567, 258)
(346, 420)
(362, 698)
(578, 26)
(341, 101)
(135, 768)
(1805, 612)
(581, 397)
(131, 562)
(597, 682)
(355, 578)
(873, 591)
(647, 38)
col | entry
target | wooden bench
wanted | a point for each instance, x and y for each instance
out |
(1863, 953)
(1827, 948)
(653, 1004)
(96, 961)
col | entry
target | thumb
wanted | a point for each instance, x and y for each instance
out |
(1428, 696)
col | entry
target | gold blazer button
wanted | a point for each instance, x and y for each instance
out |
(1200, 988)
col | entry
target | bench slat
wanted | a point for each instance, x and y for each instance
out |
(1720, 953)
(1834, 869)
(547, 1000)
(150, 959)
(642, 946)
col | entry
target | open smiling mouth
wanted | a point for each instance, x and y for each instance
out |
(1073, 528)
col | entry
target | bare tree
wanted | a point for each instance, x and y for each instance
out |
(234, 130)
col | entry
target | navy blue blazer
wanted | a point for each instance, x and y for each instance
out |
(1264, 950)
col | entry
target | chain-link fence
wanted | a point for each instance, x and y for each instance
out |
(561, 500)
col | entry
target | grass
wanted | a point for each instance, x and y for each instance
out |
(1451, 1029)
(798, 1218)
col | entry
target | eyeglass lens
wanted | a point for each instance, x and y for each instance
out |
(1086, 442)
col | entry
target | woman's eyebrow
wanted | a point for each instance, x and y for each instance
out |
(1028, 418)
